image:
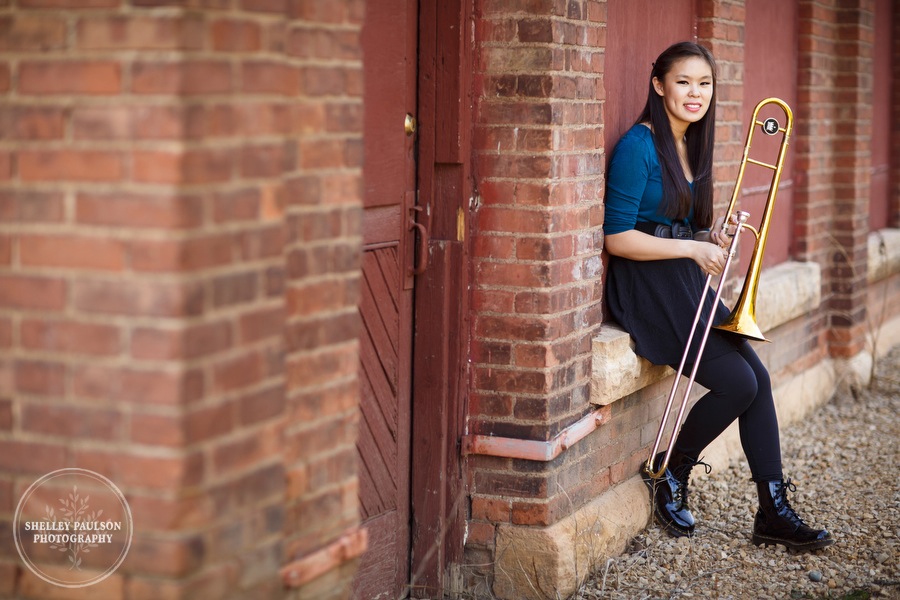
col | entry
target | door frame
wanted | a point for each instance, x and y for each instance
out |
(440, 317)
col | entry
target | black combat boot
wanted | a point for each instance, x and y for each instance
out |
(669, 494)
(777, 523)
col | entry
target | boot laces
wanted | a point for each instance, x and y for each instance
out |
(784, 506)
(683, 474)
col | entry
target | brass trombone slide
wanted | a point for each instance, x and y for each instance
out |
(742, 319)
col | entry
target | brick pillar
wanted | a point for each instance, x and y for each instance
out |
(536, 250)
(720, 27)
(852, 175)
(323, 210)
(814, 132)
(167, 178)
(894, 199)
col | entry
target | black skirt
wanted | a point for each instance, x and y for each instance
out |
(655, 302)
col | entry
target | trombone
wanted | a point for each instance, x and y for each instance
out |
(742, 320)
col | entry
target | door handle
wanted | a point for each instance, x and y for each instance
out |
(423, 242)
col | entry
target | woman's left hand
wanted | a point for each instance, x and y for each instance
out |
(718, 236)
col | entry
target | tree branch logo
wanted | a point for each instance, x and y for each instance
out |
(73, 528)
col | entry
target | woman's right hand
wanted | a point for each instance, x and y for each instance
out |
(710, 257)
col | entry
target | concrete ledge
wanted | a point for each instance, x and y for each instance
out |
(536, 563)
(617, 370)
(884, 254)
(786, 291)
(551, 562)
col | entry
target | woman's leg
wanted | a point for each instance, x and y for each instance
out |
(739, 388)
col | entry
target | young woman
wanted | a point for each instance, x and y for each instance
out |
(659, 213)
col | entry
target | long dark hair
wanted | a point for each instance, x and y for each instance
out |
(700, 139)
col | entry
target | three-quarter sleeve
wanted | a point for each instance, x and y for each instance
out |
(626, 182)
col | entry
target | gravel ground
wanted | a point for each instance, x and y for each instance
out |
(844, 460)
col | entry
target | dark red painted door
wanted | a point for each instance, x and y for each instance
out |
(389, 173)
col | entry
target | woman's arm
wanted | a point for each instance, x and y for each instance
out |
(637, 245)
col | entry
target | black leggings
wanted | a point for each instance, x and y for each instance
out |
(739, 388)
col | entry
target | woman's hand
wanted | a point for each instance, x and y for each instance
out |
(719, 237)
(710, 257)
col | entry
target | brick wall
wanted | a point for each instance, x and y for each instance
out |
(178, 189)
(323, 200)
(519, 73)
(536, 256)
(894, 177)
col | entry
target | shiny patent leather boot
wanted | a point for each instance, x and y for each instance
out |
(669, 494)
(777, 523)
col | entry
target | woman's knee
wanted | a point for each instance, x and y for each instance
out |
(731, 380)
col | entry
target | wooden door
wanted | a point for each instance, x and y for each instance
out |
(389, 174)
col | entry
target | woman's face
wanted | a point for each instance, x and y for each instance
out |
(687, 91)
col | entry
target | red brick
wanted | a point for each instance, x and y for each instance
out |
(5, 163)
(70, 336)
(69, 4)
(209, 422)
(70, 77)
(40, 377)
(102, 123)
(190, 255)
(9, 575)
(261, 323)
(70, 165)
(480, 533)
(118, 33)
(71, 421)
(318, 296)
(235, 288)
(129, 297)
(192, 166)
(266, 6)
(6, 424)
(167, 556)
(72, 252)
(497, 510)
(259, 77)
(327, 365)
(32, 123)
(32, 293)
(235, 36)
(260, 406)
(31, 457)
(124, 209)
(156, 430)
(149, 387)
(239, 372)
(241, 205)
(161, 122)
(189, 78)
(261, 161)
(5, 77)
(254, 447)
(27, 33)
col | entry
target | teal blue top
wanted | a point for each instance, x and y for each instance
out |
(634, 189)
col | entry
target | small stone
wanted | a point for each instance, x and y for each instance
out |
(882, 557)
(815, 576)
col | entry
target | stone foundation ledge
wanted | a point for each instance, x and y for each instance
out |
(536, 563)
(883, 254)
(786, 291)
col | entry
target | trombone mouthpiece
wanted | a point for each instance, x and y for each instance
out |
(742, 216)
